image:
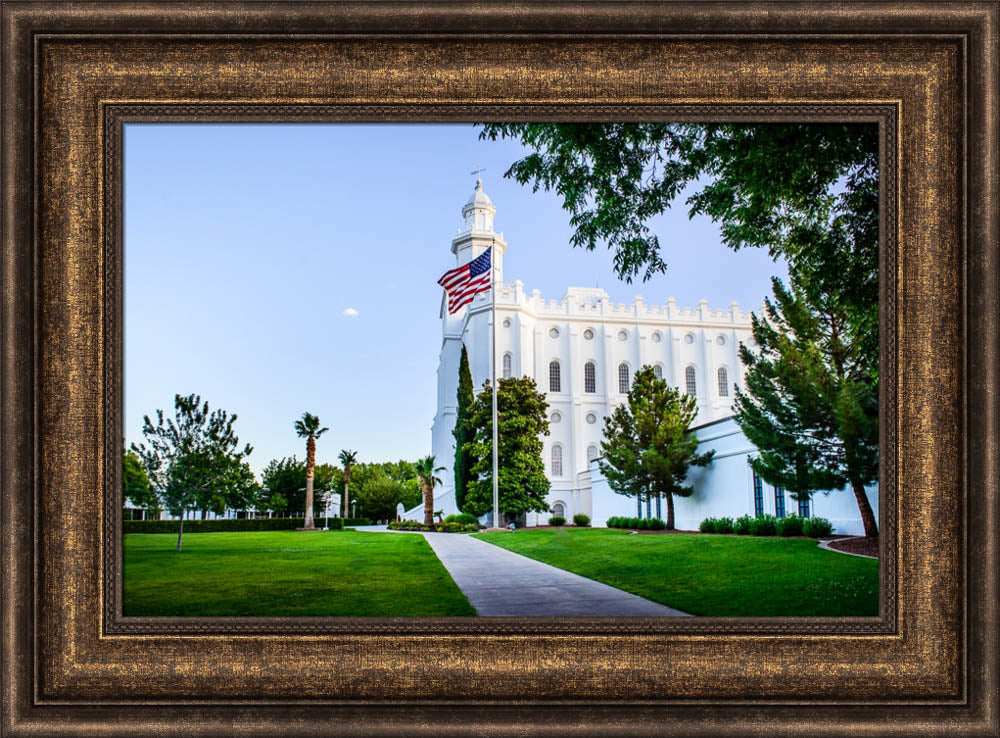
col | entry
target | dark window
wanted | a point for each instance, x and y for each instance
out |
(723, 382)
(758, 495)
(554, 377)
(589, 377)
(779, 502)
(623, 379)
(804, 508)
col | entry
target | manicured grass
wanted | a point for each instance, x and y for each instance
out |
(287, 573)
(717, 575)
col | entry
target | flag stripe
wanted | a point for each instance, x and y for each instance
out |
(463, 283)
(465, 295)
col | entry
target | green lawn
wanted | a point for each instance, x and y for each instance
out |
(710, 574)
(289, 573)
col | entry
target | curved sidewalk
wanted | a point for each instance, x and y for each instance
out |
(499, 582)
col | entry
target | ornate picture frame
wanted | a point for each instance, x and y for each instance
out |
(73, 75)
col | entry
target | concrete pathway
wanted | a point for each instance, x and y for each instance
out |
(499, 582)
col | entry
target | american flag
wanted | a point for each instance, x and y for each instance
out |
(465, 282)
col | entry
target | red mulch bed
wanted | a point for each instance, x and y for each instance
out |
(864, 546)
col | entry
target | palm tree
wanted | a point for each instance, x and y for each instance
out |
(347, 458)
(425, 473)
(309, 429)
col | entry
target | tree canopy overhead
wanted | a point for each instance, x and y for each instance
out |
(807, 192)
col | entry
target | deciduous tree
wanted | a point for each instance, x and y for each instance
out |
(522, 421)
(194, 459)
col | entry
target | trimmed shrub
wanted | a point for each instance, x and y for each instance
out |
(657, 524)
(643, 524)
(612, 522)
(724, 525)
(356, 521)
(707, 525)
(557, 520)
(764, 525)
(581, 521)
(817, 527)
(633, 523)
(741, 526)
(463, 518)
(790, 525)
(336, 524)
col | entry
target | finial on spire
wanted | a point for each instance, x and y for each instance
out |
(479, 180)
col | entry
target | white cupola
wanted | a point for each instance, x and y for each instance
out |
(478, 234)
(479, 211)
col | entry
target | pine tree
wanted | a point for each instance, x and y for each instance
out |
(464, 432)
(811, 399)
(522, 417)
(647, 447)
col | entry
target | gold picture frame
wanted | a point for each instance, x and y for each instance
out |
(74, 74)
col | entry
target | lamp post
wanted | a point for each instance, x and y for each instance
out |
(326, 512)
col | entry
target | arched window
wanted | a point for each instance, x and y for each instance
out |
(723, 382)
(623, 385)
(589, 377)
(508, 360)
(692, 386)
(592, 453)
(555, 385)
(557, 461)
(559, 510)
(658, 371)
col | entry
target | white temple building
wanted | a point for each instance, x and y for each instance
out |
(582, 350)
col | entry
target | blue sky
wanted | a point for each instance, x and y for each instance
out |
(245, 244)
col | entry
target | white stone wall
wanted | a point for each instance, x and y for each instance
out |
(724, 488)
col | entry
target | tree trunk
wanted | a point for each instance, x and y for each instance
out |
(310, 473)
(428, 505)
(180, 533)
(670, 511)
(345, 511)
(867, 516)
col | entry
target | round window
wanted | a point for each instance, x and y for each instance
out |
(554, 332)
(622, 335)
(689, 338)
(655, 338)
(506, 322)
(591, 418)
(588, 334)
(556, 417)
(721, 340)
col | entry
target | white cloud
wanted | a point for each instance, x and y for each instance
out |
(351, 313)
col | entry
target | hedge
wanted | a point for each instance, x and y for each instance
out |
(230, 525)
(439, 527)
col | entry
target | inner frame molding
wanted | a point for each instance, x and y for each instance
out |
(117, 115)
(73, 75)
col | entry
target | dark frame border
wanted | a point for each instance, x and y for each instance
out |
(27, 709)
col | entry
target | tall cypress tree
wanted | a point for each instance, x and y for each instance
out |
(464, 432)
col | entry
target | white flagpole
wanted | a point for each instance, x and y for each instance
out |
(493, 379)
